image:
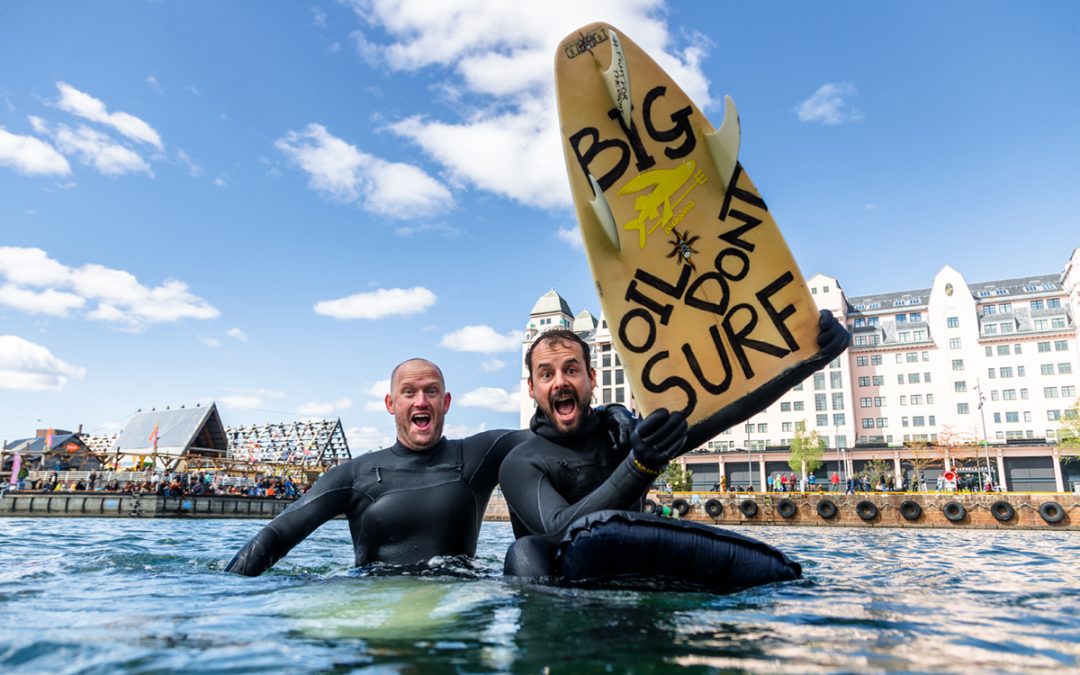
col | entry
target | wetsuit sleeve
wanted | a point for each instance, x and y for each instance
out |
(329, 497)
(484, 454)
(534, 500)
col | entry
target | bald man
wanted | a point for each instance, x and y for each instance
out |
(423, 497)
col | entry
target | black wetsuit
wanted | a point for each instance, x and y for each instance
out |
(553, 478)
(403, 506)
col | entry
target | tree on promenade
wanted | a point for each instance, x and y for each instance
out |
(678, 478)
(1068, 434)
(807, 449)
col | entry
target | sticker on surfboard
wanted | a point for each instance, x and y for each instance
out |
(705, 301)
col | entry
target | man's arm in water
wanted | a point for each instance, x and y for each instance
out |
(329, 497)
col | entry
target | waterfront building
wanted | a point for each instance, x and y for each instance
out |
(953, 376)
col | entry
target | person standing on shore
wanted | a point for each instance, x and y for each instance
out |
(423, 497)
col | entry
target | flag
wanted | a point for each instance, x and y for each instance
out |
(16, 464)
(154, 436)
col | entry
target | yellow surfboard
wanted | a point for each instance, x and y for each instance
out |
(704, 299)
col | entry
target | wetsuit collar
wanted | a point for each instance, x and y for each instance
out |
(401, 450)
(542, 426)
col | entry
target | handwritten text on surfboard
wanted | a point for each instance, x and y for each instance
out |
(652, 297)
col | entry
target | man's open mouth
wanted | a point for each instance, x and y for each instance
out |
(421, 420)
(564, 405)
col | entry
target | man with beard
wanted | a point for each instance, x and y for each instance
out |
(572, 467)
(423, 497)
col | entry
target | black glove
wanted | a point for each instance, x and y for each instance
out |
(619, 422)
(833, 338)
(658, 439)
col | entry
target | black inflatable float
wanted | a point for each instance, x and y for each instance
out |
(681, 505)
(786, 508)
(714, 508)
(866, 509)
(624, 549)
(748, 507)
(954, 511)
(826, 508)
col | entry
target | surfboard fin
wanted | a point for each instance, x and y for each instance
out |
(604, 217)
(724, 143)
(617, 79)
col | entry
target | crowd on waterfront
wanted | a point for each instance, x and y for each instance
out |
(789, 482)
(170, 485)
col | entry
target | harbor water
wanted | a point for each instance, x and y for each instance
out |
(149, 596)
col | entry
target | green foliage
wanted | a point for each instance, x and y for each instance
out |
(1068, 433)
(677, 478)
(807, 449)
(877, 470)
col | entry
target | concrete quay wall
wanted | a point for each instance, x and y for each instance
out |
(977, 507)
(128, 505)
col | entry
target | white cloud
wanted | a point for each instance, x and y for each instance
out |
(193, 167)
(86, 106)
(367, 439)
(209, 341)
(241, 401)
(237, 334)
(119, 295)
(319, 15)
(323, 409)
(491, 398)
(378, 304)
(377, 393)
(152, 80)
(482, 339)
(492, 365)
(97, 150)
(31, 155)
(463, 430)
(435, 228)
(344, 173)
(506, 138)
(830, 105)
(26, 366)
(572, 236)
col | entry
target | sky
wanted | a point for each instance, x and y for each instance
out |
(269, 205)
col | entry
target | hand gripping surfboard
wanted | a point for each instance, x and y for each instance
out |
(706, 304)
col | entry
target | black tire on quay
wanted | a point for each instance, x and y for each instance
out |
(714, 508)
(954, 511)
(910, 510)
(866, 509)
(650, 506)
(1051, 512)
(826, 508)
(680, 506)
(748, 507)
(786, 508)
(1002, 511)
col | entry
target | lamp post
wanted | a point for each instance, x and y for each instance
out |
(982, 416)
(749, 458)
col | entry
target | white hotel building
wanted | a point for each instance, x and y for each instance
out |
(919, 365)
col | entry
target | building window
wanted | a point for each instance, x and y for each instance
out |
(835, 381)
(866, 402)
(1041, 324)
(899, 379)
(953, 322)
(989, 309)
(819, 381)
(823, 420)
(838, 401)
(1012, 417)
(990, 329)
(786, 426)
(820, 402)
(954, 343)
(994, 395)
(918, 421)
(1023, 394)
(1003, 350)
(1068, 391)
(879, 401)
(882, 423)
(798, 406)
(861, 361)
(903, 421)
(1047, 369)
(1005, 371)
(763, 428)
(1053, 415)
(864, 381)
(962, 409)
(913, 357)
(1008, 394)
(992, 373)
(1044, 347)
(1053, 303)
(958, 364)
(960, 386)
(916, 399)
(1008, 327)
(875, 359)
(899, 358)
(879, 380)
(1050, 392)
(1061, 345)
(1057, 322)
(903, 400)
(1036, 304)
(838, 419)
(926, 377)
(868, 423)
(901, 318)
(785, 406)
(913, 378)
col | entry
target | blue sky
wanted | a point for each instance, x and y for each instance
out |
(271, 204)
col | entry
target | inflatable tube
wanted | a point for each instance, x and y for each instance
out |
(786, 508)
(954, 511)
(748, 507)
(650, 506)
(624, 549)
(826, 508)
(1051, 512)
(714, 508)
(1002, 511)
(681, 506)
(866, 509)
(910, 510)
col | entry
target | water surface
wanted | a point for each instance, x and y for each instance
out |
(143, 596)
